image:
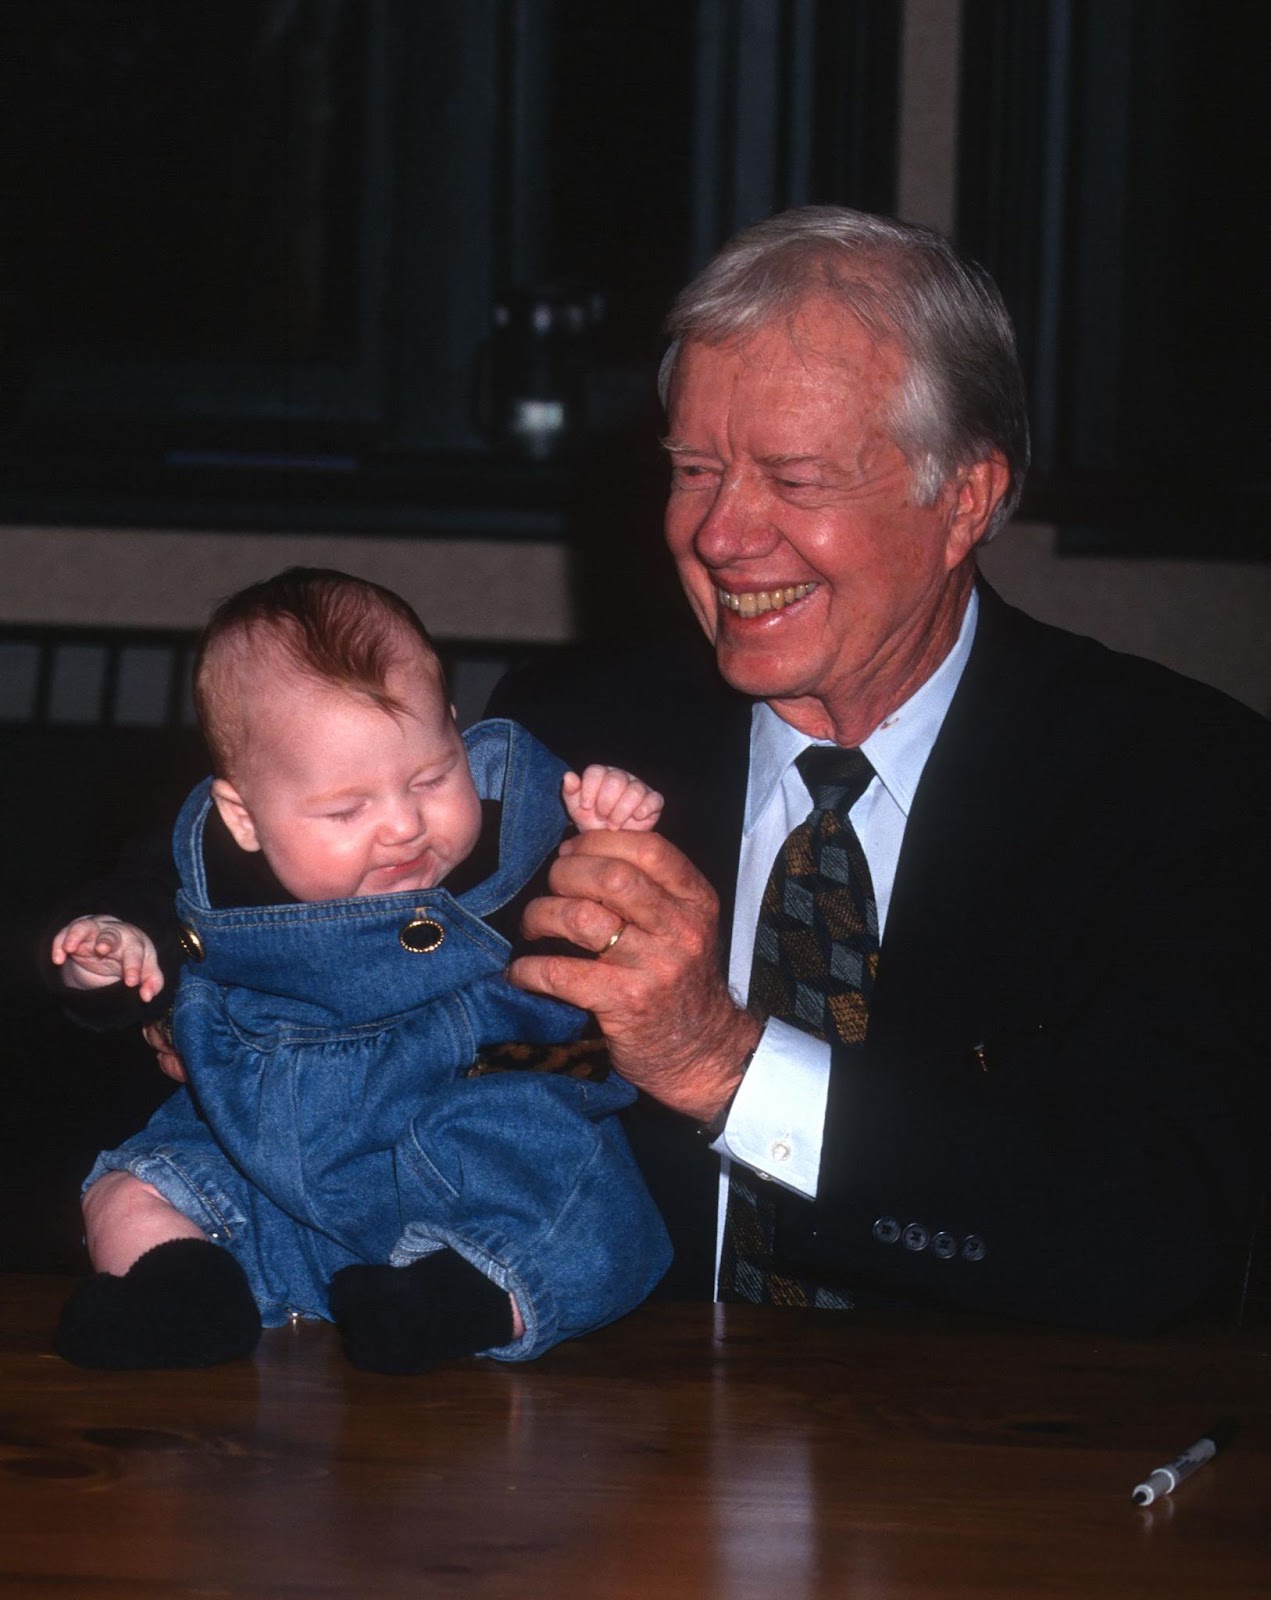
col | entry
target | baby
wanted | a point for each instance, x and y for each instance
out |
(343, 880)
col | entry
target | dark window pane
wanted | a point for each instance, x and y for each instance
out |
(1114, 178)
(179, 180)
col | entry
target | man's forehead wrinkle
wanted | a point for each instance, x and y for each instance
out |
(797, 458)
(820, 348)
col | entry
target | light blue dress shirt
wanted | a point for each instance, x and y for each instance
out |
(776, 1122)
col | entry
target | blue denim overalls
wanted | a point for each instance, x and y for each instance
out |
(327, 1120)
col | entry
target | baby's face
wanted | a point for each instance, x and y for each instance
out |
(347, 799)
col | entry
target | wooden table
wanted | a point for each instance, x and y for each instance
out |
(688, 1451)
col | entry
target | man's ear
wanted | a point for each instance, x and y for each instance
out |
(977, 489)
(234, 814)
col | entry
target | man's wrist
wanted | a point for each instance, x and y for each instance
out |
(712, 1129)
(700, 1067)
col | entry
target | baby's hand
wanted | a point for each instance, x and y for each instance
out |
(96, 951)
(607, 797)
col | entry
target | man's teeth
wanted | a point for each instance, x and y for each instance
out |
(754, 602)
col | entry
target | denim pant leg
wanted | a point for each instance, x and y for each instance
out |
(287, 1264)
(530, 1178)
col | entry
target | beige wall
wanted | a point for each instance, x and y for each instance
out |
(150, 578)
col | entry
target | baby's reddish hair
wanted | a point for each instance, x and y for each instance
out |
(321, 623)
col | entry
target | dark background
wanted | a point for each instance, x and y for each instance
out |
(252, 252)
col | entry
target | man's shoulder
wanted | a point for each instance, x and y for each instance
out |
(1083, 671)
(1101, 704)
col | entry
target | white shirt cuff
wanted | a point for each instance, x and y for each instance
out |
(777, 1119)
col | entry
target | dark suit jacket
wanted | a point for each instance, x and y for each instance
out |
(1059, 1110)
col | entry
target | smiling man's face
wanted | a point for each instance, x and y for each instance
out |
(825, 588)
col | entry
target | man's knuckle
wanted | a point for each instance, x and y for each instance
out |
(616, 878)
(582, 919)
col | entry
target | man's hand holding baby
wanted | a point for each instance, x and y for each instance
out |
(607, 797)
(97, 951)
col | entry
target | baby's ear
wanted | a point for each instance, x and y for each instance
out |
(234, 814)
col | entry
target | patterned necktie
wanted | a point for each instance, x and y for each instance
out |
(816, 955)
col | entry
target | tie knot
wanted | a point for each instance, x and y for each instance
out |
(836, 778)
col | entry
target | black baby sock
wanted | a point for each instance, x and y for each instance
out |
(185, 1303)
(406, 1319)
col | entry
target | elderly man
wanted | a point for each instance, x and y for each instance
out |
(992, 1026)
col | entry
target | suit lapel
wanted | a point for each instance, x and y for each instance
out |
(955, 878)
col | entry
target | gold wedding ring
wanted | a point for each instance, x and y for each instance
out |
(613, 939)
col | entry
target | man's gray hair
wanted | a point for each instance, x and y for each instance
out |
(962, 396)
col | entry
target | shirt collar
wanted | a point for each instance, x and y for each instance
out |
(897, 749)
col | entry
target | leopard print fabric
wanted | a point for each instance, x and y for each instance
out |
(583, 1058)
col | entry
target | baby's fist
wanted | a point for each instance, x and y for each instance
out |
(607, 797)
(97, 951)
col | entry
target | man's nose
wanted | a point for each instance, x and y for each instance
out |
(737, 524)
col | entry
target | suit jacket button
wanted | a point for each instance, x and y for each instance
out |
(886, 1230)
(973, 1248)
(916, 1236)
(944, 1245)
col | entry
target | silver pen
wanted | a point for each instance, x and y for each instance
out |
(1167, 1478)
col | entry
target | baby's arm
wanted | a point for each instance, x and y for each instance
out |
(607, 797)
(96, 951)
